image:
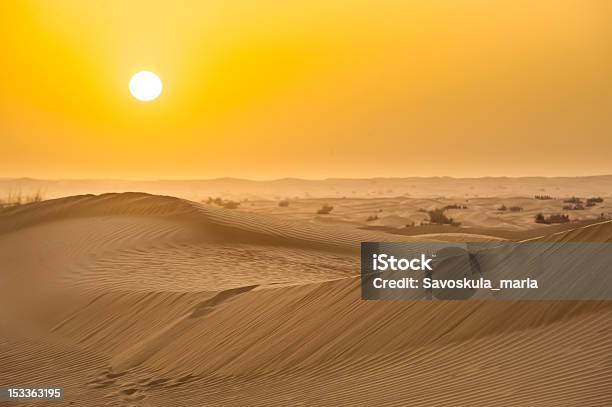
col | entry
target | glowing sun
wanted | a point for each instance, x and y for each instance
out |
(145, 86)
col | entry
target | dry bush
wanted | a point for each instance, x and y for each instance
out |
(573, 200)
(325, 209)
(18, 198)
(227, 204)
(593, 201)
(455, 206)
(230, 204)
(555, 218)
(438, 217)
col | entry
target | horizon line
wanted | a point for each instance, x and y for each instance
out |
(301, 179)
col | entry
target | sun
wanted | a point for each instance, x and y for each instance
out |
(145, 86)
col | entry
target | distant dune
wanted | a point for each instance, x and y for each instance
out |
(145, 300)
(233, 188)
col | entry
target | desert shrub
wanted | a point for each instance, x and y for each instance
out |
(577, 207)
(230, 204)
(438, 217)
(36, 197)
(325, 209)
(555, 218)
(455, 206)
(502, 208)
(515, 209)
(284, 203)
(18, 198)
(592, 201)
(372, 218)
(543, 197)
(573, 200)
(216, 201)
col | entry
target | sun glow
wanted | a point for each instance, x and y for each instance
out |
(145, 86)
(268, 89)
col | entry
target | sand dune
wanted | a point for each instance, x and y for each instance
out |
(135, 299)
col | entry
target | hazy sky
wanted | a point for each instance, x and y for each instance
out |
(314, 89)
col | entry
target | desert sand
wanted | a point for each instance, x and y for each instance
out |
(132, 299)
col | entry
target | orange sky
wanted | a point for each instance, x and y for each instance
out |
(313, 89)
